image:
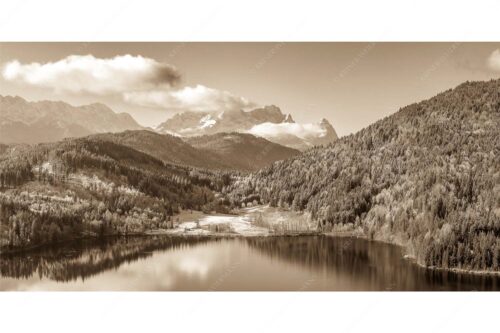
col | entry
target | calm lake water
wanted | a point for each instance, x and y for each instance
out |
(197, 263)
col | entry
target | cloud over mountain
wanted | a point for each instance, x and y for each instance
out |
(196, 99)
(139, 80)
(494, 60)
(86, 73)
(302, 131)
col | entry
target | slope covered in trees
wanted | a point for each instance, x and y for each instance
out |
(242, 151)
(168, 148)
(426, 177)
(223, 151)
(59, 191)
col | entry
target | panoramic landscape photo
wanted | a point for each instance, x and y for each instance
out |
(174, 166)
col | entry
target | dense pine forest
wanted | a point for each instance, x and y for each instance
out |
(426, 177)
(90, 186)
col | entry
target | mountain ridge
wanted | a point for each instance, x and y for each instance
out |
(23, 121)
(265, 122)
(246, 151)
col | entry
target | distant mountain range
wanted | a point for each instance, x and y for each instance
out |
(268, 122)
(22, 121)
(198, 123)
(47, 121)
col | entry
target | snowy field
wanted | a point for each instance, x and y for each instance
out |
(254, 221)
(241, 225)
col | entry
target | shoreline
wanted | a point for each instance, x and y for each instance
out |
(254, 231)
(163, 232)
(149, 233)
(411, 258)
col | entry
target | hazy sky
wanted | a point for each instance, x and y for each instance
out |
(350, 84)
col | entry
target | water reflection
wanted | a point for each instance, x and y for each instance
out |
(204, 263)
(86, 258)
(368, 265)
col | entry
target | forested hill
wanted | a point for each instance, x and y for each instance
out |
(241, 151)
(168, 148)
(59, 191)
(426, 177)
(115, 183)
(222, 151)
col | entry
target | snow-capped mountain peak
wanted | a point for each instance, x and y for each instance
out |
(268, 122)
(207, 121)
(289, 119)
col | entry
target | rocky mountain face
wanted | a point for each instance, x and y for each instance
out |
(330, 134)
(199, 123)
(268, 122)
(46, 121)
(168, 148)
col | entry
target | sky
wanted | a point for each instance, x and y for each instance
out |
(350, 84)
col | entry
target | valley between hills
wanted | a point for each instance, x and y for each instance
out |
(426, 178)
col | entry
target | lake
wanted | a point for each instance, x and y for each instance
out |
(157, 263)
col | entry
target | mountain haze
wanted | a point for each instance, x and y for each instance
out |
(47, 121)
(190, 123)
(267, 122)
(294, 135)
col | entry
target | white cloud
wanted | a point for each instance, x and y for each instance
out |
(78, 73)
(139, 80)
(198, 99)
(303, 131)
(494, 60)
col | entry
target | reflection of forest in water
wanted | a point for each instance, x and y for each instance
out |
(86, 258)
(375, 265)
(339, 263)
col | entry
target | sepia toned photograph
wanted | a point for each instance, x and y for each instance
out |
(250, 166)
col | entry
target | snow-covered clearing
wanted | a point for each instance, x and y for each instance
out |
(241, 225)
(253, 221)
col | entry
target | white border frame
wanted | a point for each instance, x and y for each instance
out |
(257, 20)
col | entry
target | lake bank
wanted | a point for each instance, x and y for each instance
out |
(406, 256)
(261, 220)
(257, 221)
(210, 263)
